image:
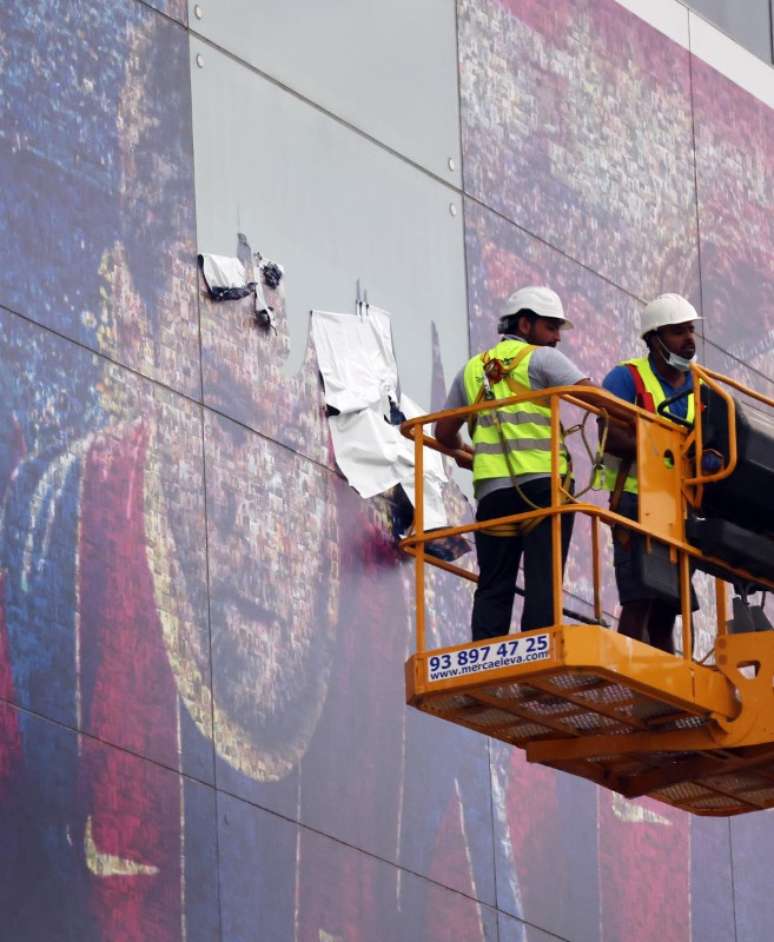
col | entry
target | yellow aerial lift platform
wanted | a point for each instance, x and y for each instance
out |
(586, 700)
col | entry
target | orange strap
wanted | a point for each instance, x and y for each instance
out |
(643, 398)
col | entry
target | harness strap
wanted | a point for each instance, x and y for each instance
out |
(644, 399)
(495, 371)
(620, 481)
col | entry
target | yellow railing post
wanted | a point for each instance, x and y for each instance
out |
(556, 523)
(595, 401)
(685, 605)
(419, 529)
(721, 606)
(595, 568)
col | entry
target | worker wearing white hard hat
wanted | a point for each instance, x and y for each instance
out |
(541, 301)
(667, 326)
(511, 456)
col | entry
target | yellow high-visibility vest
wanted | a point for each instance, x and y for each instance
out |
(526, 426)
(654, 396)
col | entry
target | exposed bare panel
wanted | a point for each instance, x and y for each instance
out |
(332, 208)
(389, 69)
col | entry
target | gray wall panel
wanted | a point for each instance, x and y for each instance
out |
(748, 23)
(332, 208)
(390, 69)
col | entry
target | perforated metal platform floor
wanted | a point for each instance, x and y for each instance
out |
(539, 689)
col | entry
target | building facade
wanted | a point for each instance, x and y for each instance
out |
(203, 733)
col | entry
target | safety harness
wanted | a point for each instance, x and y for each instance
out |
(644, 400)
(496, 371)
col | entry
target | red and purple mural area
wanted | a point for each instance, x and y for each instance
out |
(203, 733)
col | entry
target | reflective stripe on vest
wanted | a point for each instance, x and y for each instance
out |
(525, 426)
(655, 390)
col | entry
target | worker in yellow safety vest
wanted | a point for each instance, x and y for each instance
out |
(667, 327)
(511, 457)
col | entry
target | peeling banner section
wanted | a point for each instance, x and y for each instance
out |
(225, 276)
(360, 376)
(356, 359)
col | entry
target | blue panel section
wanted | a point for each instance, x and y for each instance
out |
(104, 622)
(281, 882)
(98, 844)
(712, 881)
(258, 862)
(176, 9)
(96, 181)
(752, 855)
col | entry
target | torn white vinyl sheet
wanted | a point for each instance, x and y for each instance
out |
(222, 271)
(373, 456)
(359, 371)
(356, 359)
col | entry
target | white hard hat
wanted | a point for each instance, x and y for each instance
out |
(541, 300)
(664, 310)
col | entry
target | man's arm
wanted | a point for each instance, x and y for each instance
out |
(621, 440)
(447, 430)
(550, 367)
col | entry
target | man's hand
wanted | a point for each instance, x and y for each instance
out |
(447, 431)
(464, 457)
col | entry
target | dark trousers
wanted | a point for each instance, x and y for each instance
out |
(498, 563)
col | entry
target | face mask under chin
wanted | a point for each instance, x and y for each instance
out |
(675, 360)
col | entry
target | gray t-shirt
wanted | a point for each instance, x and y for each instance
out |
(547, 367)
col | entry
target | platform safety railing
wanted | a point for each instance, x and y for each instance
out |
(670, 476)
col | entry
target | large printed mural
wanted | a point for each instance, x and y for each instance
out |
(576, 125)
(103, 568)
(202, 627)
(735, 175)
